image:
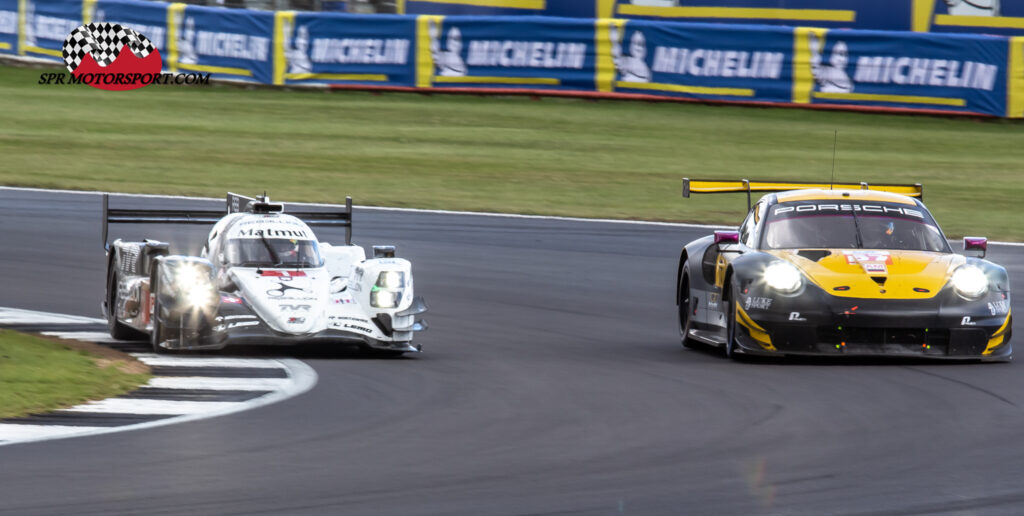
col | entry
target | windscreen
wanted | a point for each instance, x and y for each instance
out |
(867, 225)
(273, 252)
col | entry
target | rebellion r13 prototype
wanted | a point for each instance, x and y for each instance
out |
(262, 278)
(859, 270)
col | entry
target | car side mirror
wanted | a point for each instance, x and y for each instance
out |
(726, 237)
(975, 246)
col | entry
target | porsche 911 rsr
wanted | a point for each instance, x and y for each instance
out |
(846, 271)
(261, 278)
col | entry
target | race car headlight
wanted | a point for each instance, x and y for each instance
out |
(188, 275)
(391, 279)
(969, 281)
(194, 286)
(199, 296)
(783, 276)
(380, 298)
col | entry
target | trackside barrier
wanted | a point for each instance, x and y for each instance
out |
(603, 57)
(962, 16)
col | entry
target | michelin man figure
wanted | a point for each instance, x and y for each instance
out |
(449, 62)
(632, 67)
(831, 77)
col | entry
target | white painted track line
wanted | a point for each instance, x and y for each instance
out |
(152, 359)
(89, 336)
(219, 384)
(149, 407)
(16, 432)
(19, 316)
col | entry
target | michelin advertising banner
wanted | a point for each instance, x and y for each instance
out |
(372, 50)
(505, 52)
(966, 73)
(716, 62)
(229, 43)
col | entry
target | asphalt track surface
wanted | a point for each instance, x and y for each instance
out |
(553, 382)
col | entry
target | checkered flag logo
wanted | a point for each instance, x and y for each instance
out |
(104, 42)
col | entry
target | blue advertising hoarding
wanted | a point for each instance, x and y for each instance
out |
(715, 62)
(228, 43)
(506, 52)
(964, 73)
(376, 50)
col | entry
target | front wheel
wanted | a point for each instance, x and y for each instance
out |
(685, 303)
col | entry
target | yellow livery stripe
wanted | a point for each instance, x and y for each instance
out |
(756, 331)
(999, 336)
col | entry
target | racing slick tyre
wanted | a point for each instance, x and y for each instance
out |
(685, 310)
(730, 324)
(117, 330)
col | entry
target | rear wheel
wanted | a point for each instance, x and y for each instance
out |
(685, 303)
(117, 329)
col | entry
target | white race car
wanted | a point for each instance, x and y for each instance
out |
(262, 278)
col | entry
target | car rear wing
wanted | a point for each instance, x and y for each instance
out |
(691, 186)
(234, 204)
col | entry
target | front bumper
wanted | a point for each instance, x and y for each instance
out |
(820, 324)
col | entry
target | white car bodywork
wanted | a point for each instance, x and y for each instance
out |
(344, 296)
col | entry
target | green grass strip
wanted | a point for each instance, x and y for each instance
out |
(616, 159)
(39, 375)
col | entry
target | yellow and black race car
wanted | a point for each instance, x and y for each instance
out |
(855, 270)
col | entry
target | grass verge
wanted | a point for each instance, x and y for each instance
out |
(571, 157)
(38, 374)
